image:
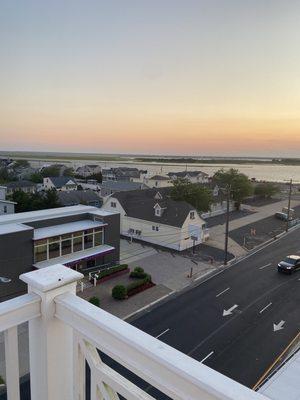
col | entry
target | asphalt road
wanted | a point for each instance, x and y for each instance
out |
(243, 343)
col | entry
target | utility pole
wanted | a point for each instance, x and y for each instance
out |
(227, 224)
(289, 207)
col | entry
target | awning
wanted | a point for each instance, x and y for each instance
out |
(75, 258)
(57, 230)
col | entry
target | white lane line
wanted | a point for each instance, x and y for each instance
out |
(265, 266)
(208, 355)
(264, 309)
(167, 330)
(219, 294)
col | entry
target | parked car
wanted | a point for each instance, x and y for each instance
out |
(283, 216)
(289, 264)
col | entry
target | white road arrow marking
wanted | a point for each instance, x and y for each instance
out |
(279, 326)
(208, 355)
(167, 330)
(229, 311)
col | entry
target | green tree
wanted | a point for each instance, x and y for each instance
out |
(5, 176)
(68, 172)
(239, 184)
(21, 164)
(266, 190)
(98, 177)
(34, 201)
(36, 177)
(52, 170)
(198, 196)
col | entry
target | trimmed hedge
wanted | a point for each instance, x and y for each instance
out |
(138, 283)
(119, 292)
(138, 272)
(95, 300)
(110, 271)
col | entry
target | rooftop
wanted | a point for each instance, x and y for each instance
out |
(140, 204)
(51, 213)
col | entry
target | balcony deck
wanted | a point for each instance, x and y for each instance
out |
(66, 333)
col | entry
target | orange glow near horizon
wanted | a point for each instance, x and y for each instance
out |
(209, 78)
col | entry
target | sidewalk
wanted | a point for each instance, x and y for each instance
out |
(217, 233)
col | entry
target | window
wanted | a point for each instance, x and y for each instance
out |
(66, 247)
(5, 209)
(98, 238)
(157, 228)
(192, 214)
(54, 250)
(138, 232)
(58, 246)
(113, 204)
(40, 253)
(153, 227)
(77, 242)
(88, 241)
(157, 212)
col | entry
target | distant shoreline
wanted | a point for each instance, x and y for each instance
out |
(55, 156)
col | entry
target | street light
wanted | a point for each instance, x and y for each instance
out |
(289, 207)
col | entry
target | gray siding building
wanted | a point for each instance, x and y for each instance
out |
(81, 237)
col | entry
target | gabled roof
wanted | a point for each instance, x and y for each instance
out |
(74, 197)
(20, 184)
(187, 173)
(60, 181)
(121, 185)
(140, 204)
(159, 178)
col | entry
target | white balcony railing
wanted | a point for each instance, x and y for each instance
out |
(65, 332)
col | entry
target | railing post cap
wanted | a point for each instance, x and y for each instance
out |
(49, 278)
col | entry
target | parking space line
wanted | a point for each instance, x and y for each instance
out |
(224, 291)
(208, 355)
(265, 266)
(264, 309)
(167, 330)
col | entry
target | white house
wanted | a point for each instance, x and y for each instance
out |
(219, 204)
(88, 170)
(6, 207)
(191, 176)
(59, 183)
(152, 216)
(158, 181)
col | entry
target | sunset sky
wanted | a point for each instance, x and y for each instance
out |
(213, 77)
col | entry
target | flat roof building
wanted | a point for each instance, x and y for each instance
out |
(80, 237)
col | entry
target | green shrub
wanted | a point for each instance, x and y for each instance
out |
(95, 300)
(138, 272)
(119, 292)
(110, 271)
(138, 283)
(2, 382)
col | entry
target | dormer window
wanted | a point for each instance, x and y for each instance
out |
(192, 215)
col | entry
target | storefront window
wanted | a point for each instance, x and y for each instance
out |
(98, 238)
(88, 241)
(66, 247)
(54, 250)
(77, 243)
(40, 253)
